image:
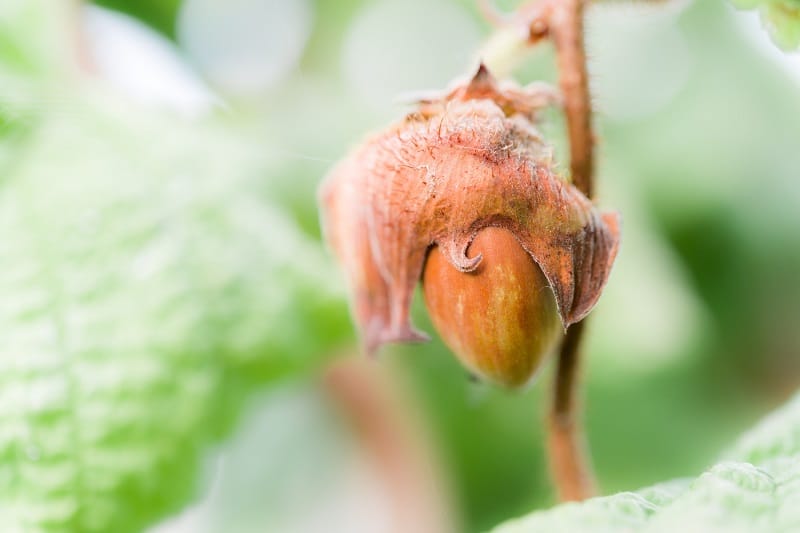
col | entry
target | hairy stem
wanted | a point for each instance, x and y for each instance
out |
(562, 22)
(566, 31)
(569, 459)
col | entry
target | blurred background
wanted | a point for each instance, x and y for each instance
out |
(197, 132)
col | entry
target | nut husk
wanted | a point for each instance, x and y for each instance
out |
(464, 161)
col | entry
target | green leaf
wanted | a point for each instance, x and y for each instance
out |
(747, 4)
(148, 285)
(159, 14)
(755, 488)
(781, 19)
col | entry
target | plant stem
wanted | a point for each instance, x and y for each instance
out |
(79, 45)
(569, 460)
(566, 31)
(562, 22)
(381, 415)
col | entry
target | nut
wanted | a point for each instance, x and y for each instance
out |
(500, 319)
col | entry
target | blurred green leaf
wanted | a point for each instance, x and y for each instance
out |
(149, 284)
(32, 54)
(756, 488)
(146, 287)
(159, 14)
(780, 17)
(746, 4)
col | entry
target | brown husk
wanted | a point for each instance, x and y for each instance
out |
(468, 160)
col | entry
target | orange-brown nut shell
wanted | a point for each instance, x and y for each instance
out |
(500, 320)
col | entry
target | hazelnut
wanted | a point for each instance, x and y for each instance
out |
(500, 319)
(465, 161)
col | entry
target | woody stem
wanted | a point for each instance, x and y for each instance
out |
(569, 460)
(566, 31)
(562, 21)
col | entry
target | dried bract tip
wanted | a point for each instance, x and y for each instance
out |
(469, 160)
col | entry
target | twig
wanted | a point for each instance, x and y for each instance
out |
(562, 22)
(566, 30)
(397, 449)
(569, 458)
(79, 46)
